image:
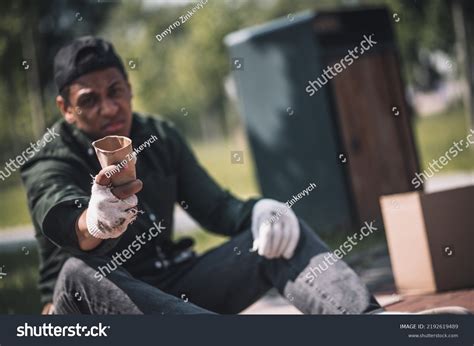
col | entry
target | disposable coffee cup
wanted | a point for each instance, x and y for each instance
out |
(117, 150)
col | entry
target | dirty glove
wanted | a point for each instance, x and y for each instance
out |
(107, 215)
(275, 229)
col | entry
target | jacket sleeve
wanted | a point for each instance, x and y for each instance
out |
(56, 201)
(215, 209)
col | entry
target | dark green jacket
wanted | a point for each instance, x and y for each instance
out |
(58, 182)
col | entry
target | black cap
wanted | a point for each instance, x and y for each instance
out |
(84, 55)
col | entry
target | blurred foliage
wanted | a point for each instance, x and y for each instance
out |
(182, 74)
(31, 33)
(185, 71)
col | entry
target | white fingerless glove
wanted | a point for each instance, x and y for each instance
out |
(107, 215)
(275, 229)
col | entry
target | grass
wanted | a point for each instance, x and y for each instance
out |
(13, 207)
(435, 135)
(204, 240)
(238, 178)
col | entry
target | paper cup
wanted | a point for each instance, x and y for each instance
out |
(117, 150)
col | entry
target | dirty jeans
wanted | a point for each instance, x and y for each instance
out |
(224, 280)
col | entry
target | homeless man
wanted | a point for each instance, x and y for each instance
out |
(108, 249)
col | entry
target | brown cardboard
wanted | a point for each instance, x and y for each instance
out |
(117, 150)
(430, 239)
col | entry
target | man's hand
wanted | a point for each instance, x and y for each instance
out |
(275, 229)
(110, 211)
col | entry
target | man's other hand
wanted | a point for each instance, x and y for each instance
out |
(275, 229)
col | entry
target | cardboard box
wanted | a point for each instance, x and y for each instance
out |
(430, 239)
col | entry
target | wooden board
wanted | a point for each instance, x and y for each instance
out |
(378, 143)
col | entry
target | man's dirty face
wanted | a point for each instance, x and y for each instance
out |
(99, 104)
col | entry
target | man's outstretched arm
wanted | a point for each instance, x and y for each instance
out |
(59, 206)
